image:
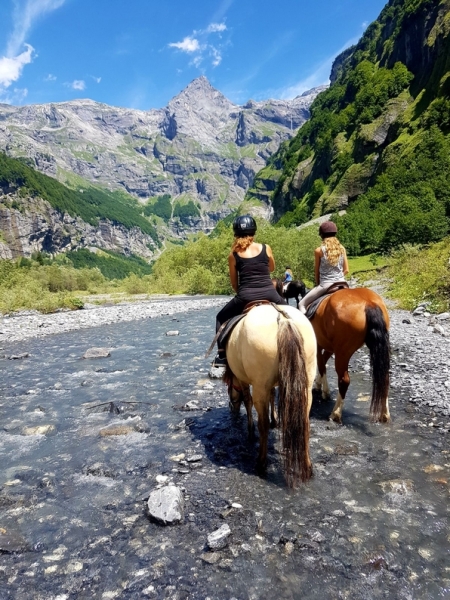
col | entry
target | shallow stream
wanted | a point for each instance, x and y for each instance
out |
(372, 523)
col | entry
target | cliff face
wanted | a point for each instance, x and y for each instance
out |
(201, 147)
(386, 92)
(29, 225)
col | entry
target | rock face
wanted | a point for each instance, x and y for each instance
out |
(30, 225)
(201, 147)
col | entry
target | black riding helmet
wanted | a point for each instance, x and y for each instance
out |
(244, 225)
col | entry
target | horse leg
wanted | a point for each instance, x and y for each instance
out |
(297, 300)
(343, 383)
(261, 403)
(321, 381)
(273, 412)
(248, 402)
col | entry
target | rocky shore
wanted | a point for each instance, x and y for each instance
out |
(32, 324)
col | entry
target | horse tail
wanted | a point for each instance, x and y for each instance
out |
(377, 340)
(293, 402)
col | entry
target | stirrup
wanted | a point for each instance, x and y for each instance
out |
(219, 361)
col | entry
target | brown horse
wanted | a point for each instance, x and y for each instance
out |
(344, 321)
(269, 348)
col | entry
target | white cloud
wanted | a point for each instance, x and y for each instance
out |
(96, 79)
(16, 96)
(199, 46)
(50, 77)
(216, 27)
(26, 13)
(189, 44)
(216, 57)
(11, 67)
(77, 84)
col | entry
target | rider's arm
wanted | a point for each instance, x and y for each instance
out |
(345, 265)
(233, 272)
(317, 256)
(271, 258)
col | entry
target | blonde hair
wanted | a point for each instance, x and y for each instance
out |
(242, 243)
(334, 250)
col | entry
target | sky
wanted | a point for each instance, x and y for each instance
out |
(141, 53)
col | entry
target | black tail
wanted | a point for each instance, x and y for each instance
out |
(377, 340)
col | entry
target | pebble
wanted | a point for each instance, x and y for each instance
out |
(219, 539)
(97, 353)
(173, 333)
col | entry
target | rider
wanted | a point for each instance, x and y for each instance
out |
(288, 275)
(330, 264)
(249, 265)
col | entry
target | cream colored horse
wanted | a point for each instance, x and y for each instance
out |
(268, 349)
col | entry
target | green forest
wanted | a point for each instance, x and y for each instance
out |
(378, 141)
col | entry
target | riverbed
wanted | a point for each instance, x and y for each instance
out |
(84, 441)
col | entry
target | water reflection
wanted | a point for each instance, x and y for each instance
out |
(373, 522)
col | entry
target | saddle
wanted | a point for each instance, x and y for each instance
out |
(227, 327)
(312, 308)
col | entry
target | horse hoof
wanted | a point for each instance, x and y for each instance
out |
(385, 418)
(336, 418)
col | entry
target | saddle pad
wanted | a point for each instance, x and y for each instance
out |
(229, 326)
(311, 310)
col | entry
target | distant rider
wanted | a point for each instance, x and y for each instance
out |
(249, 265)
(288, 277)
(330, 264)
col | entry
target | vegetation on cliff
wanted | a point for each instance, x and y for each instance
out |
(90, 204)
(378, 141)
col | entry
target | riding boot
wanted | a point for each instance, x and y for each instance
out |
(220, 359)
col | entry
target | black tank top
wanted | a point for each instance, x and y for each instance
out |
(254, 277)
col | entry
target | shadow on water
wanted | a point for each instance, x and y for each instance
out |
(372, 523)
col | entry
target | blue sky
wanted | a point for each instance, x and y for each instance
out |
(141, 53)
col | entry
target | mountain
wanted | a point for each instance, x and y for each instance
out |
(201, 150)
(378, 140)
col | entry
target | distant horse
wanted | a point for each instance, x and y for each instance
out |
(269, 348)
(295, 289)
(343, 322)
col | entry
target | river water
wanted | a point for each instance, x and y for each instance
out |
(372, 523)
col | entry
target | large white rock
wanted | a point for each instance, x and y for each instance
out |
(166, 505)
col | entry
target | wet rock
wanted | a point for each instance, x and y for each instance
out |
(439, 329)
(12, 542)
(18, 356)
(406, 321)
(397, 486)
(219, 539)
(194, 458)
(97, 470)
(115, 429)
(445, 316)
(166, 505)
(178, 457)
(172, 333)
(38, 430)
(97, 353)
(346, 449)
(211, 557)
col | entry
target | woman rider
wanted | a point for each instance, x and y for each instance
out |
(288, 275)
(249, 265)
(330, 264)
